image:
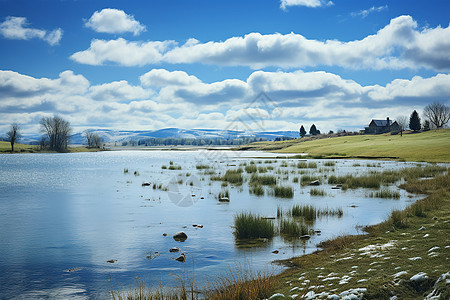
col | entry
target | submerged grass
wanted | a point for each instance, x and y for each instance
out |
(250, 226)
(386, 193)
(257, 190)
(310, 213)
(316, 192)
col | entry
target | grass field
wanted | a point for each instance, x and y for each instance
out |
(5, 147)
(430, 146)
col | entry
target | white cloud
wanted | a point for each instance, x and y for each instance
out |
(16, 28)
(160, 77)
(398, 45)
(177, 99)
(122, 52)
(110, 20)
(308, 3)
(364, 13)
(118, 91)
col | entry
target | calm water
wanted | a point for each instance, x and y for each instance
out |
(63, 216)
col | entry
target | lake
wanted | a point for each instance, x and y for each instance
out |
(64, 216)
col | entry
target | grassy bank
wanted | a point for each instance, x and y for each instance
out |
(430, 146)
(381, 264)
(5, 147)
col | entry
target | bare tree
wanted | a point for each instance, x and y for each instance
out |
(13, 135)
(403, 122)
(93, 139)
(58, 132)
(437, 113)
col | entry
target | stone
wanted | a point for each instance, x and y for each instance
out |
(180, 236)
(146, 184)
(181, 258)
(174, 249)
(275, 251)
(111, 261)
(315, 182)
(305, 237)
(224, 199)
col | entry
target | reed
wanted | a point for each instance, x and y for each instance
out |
(310, 213)
(262, 169)
(251, 169)
(202, 167)
(224, 194)
(307, 179)
(172, 167)
(257, 190)
(283, 191)
(233, 176)
(317, 192)
(263, 179)
(250, 226)
(305, 165)
(386, 193)
(329, 164)
(292, 228)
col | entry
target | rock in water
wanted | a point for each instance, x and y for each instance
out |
(180, 236)
(224, 199)
(181, 258)
(174, 249)
(315, 182)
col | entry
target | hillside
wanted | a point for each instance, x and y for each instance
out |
(431, 146)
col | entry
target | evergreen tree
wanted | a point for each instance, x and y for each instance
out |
(313, 130)
(426, 125)
(414, 121)
(302, 131)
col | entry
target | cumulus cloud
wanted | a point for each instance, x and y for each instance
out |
(365, 12)
(110, 20)
(170, 98)
(160, 77)
(308, 3)
(122, 52)
(398, 45)
(16, 28)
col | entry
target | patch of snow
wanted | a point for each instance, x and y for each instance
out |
(400, 274)
(415, 258)
(434, 248)
(344, 258)
(294, 288)
(426, 235)
(370, 270)
(294, 296)
(355, 267)
(433, 254)
(422, 228)
(419, 277)
(334, 297)
(404, 248)
(310, 295)
(277, 295)
(362, 280)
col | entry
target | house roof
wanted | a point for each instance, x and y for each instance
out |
(381, 123)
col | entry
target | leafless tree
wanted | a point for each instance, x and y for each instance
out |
(403, 122)
(93, 139)
(437, 113)
(58, 132)
(13, 135)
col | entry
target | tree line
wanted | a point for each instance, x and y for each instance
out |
(192, 141)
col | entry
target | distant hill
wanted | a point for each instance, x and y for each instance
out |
(119, 136)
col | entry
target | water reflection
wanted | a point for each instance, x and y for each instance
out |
(61, 212)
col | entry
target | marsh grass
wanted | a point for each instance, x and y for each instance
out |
(329, 164)
(305, 165)
(292, 228)
(202, 167)
(251, 169)
(310, 213)
(316, 192)
(398, 219)
(173, 167)
(262, 169)
(241, 284)
(283, 191)
(234, 176)
(263, 179)
(386, 193)
(257, 190)
(164, 167)
(250, 226)
(307, 179)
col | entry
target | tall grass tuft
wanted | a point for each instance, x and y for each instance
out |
(257, 190)
(234, 176)
(305, 165)
(263, 179)
(317, 192)
(398, 219)
(386, 194)
(202, 167)
(251, 169)
(293, 228)
(249, 226)
(310, 213)
(329, 163)
(307, 179)
(283, 191)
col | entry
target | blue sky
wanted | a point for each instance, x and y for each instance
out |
(142, 65)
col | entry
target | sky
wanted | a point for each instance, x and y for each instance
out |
(249, 65)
